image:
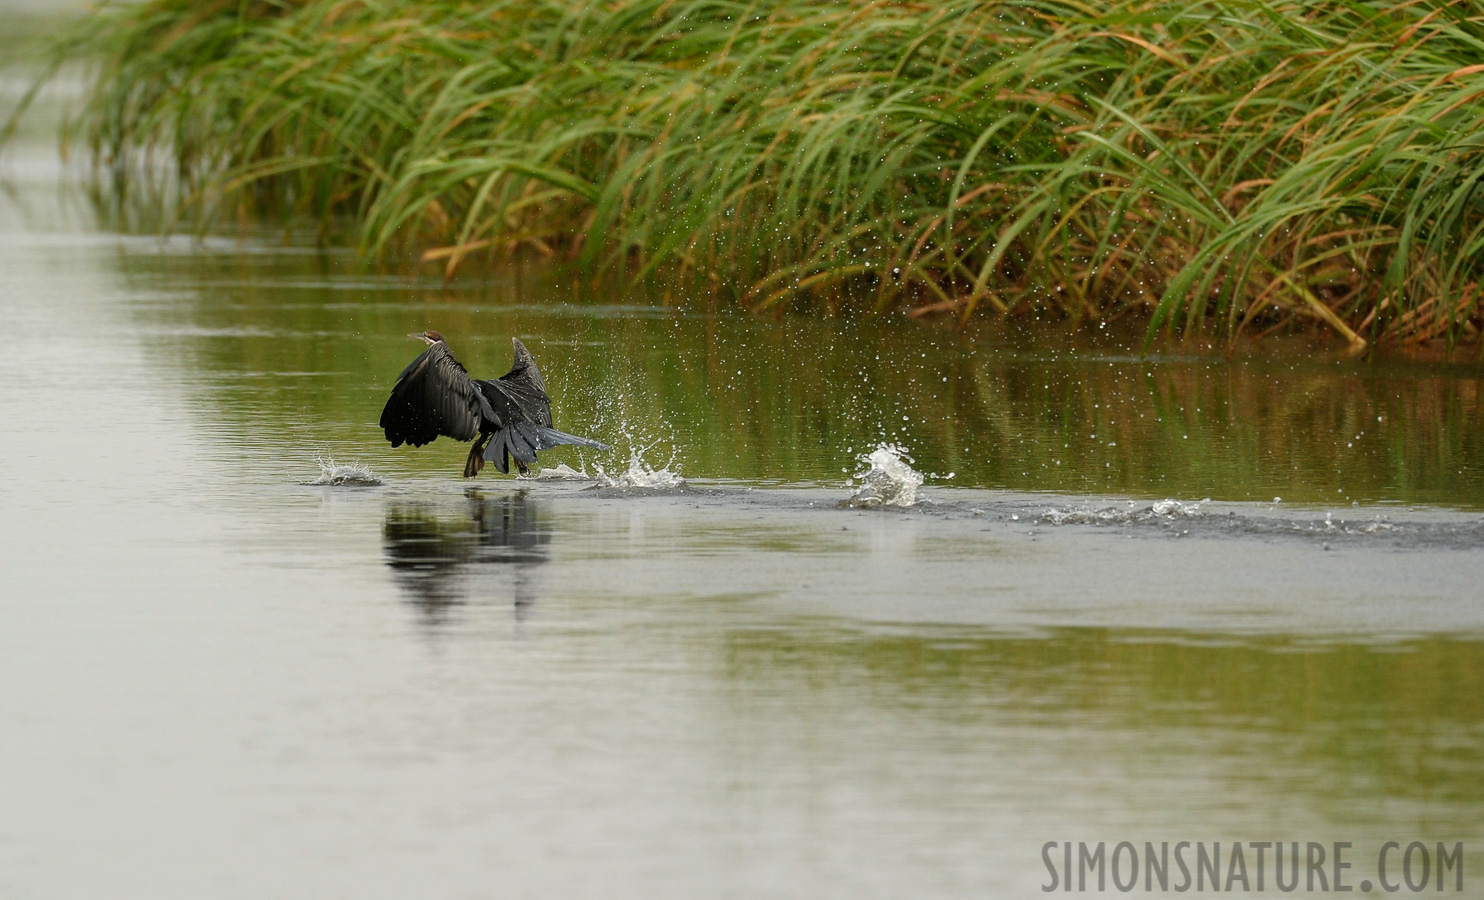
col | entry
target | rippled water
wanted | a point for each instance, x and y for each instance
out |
(247, 649)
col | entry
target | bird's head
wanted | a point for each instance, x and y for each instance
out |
(428, 337)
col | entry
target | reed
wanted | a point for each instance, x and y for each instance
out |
(1221, 166)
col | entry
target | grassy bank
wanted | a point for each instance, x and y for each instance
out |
(1233, 166)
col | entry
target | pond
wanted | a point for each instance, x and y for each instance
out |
(1165, 597)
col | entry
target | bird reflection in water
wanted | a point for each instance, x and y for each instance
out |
(492, 547)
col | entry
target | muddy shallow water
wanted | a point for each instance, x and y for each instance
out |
(221, 679)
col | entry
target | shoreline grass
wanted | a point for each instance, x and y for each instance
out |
(1233, 167)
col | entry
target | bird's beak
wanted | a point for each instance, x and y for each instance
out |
(416, 334)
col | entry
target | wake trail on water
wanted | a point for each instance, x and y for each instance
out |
(1162, 511)
(885, 479)
(888, 480)
(1179, 518)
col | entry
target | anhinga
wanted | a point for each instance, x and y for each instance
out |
(510, 416)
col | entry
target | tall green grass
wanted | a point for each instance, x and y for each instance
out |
(1223, 165)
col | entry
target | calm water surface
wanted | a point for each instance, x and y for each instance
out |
(217, 680)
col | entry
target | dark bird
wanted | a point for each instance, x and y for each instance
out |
(510, 416)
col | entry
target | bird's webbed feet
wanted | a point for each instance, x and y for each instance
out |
(476, 456)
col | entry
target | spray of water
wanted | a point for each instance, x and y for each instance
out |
(562, 472)
(344, 474)
(621, 419)
(640, 473)
(888, 480)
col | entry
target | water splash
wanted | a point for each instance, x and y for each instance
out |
(641, 474)
(890, 480)
(344, 474)
(1177, 508)
(622, 418)
(561, 472)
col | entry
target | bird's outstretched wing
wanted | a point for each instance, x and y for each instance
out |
(434, 396)
(520, 394)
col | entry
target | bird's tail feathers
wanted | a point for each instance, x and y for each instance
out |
(550, 437)
(523, 439)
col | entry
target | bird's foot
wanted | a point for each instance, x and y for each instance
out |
(475, 461)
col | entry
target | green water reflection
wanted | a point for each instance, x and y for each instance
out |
(300, 343)
(1342, 726)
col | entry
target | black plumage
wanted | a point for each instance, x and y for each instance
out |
(508, 417)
